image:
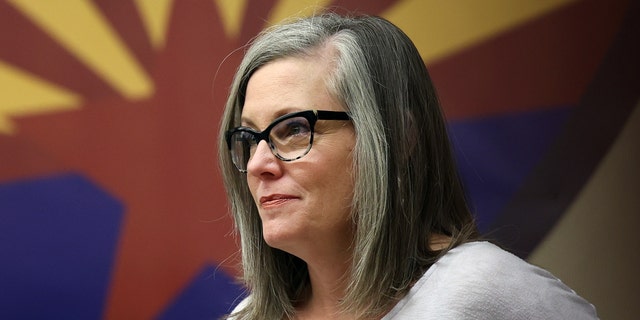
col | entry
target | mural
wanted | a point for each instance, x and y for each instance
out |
(111, 204)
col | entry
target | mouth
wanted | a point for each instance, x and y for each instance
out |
(275, 200)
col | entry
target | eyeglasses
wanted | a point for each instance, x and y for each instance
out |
(289, 137)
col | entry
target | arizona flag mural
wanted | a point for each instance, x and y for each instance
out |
(111, 204)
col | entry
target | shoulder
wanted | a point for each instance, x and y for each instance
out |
(484, 262)
(479, 280)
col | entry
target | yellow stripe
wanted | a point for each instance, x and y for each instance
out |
(440, 28)
(22, 94)
(80, 28)
(231, 12)
(155, 16)
(300, 8)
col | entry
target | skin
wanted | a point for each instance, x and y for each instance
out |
(304, 205)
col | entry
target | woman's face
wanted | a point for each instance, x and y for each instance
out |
(304, 204)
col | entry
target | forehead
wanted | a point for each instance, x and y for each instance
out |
(287, 85)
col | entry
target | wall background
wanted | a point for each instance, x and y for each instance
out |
(110, 200)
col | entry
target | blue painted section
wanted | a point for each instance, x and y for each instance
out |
(58, 237)
(210, 295)
(496, 154)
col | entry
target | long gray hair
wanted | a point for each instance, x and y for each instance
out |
(406, 185)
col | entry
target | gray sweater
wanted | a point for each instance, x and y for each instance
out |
(478, 280)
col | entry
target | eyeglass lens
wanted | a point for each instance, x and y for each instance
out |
(289, 139)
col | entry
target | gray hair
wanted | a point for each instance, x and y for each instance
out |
(406, 185)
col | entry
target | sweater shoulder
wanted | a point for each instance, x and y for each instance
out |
(479, 280)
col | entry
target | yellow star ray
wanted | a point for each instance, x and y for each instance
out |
(440, 28)
(231, 12)
(288, 8)
(155, 16)
(79, 26)
(23, 94)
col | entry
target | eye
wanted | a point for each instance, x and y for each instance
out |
(293, 127)
(296, 128)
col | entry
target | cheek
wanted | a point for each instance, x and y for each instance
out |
(341, 164)
(252, 182)
(338, 180)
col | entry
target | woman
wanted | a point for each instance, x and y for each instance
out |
(344, 192)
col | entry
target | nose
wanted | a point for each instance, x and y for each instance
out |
(263, 162)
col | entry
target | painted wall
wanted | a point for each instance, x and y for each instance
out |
(111, 204)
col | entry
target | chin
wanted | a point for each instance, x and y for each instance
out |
(281, 240)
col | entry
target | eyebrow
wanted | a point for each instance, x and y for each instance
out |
(246, 122)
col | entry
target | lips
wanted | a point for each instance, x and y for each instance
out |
(276, 199)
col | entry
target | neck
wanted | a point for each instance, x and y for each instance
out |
(328, 278)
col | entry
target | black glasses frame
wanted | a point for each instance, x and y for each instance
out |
(311, 115)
